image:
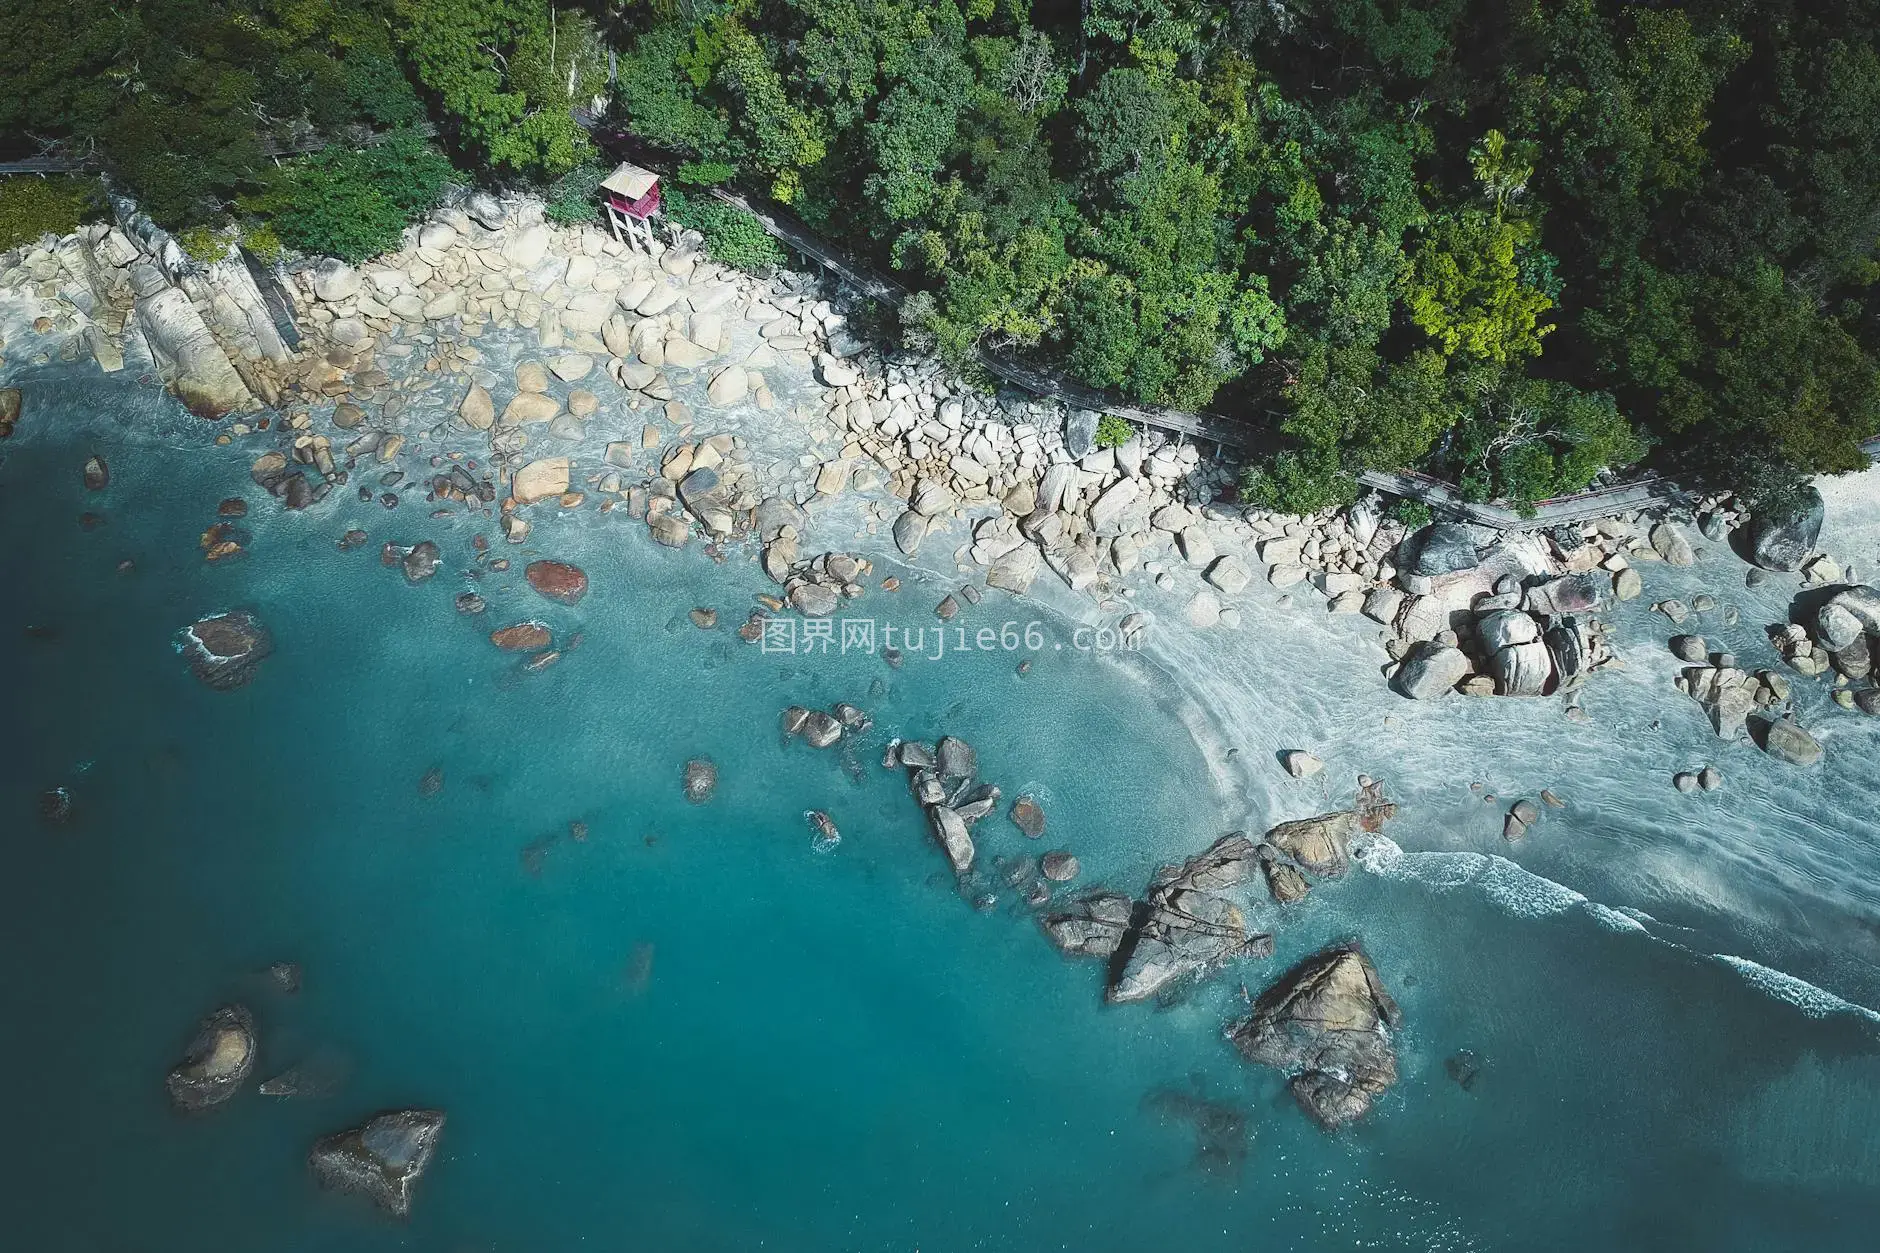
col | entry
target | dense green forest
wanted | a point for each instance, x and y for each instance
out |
(1513, 241)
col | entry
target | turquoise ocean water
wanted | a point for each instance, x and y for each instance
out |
(688, 1030)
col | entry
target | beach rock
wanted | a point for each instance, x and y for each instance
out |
(1080, 433)
(729, 386)
(9, 410)
(1670, 542)
(382, 1160)
(1690, 648)
(478, 410)
(949, 829)
(1504, 628)
(1300, 764)
(1321, 845)
(1431, 672)
(224, 649)
(540, 480)
(1059, 866)
(469, 603)
(1783, 538)
(701, 780)
(217, 1061)
(814, 600)
(486, 210)
(1326, 1024)
(421, 561)
(557, 580)
(523, 637)
(1710, 778)
(670, 530)
(1627, 584)
(96, 474)
(1229, 574)
(334, 280)
(1440, 548)
(1785, 741)
(819, 729)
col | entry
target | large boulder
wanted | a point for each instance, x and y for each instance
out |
(224, 649)
(949, 829)
(1439, 548)
(1321, 845)
(1781, 538)
(486, 210)
(334, 280)
(540, 480)
(9, 410)
(1522, 669)
(1847, 615)
(1430, 672)
(557, 580)
(1671, 543)
(1182, 928)
(1326, 1023)
(382, 1159)
(1093, 925)
(1786, 741)
(217, 1061)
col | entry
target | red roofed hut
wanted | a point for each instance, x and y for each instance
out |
(631, 198)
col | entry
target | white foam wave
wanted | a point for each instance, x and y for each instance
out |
(1811, 1000)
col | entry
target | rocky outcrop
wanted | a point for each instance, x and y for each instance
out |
(217, 1061)
(383, 1159)
(1327, 1024)
(224, 649)
(1783, 538)
(1438, 549)
(188, 357)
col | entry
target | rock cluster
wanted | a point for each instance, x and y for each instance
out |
(944, 778)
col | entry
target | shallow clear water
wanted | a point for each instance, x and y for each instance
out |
(689, 1030)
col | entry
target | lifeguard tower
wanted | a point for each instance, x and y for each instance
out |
(630, 199)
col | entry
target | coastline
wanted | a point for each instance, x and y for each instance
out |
(782, 417)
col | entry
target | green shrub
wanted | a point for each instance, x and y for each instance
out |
(1414, 514)
(1300, 482)
(31, 206)
(1112, 431)
(575, 196)
(262, 241)
(205, 244)
(353, 203)
(731, 235)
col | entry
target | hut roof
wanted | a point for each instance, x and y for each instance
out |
(630, 181)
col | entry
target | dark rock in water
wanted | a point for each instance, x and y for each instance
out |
(1028, 816)
(285, 976)
(704, 619)
(1059, 866)
(97, 474)
(351, 540)
(55, 806)
(851, 717)
(949, 830)
(916, 755)
(1783, 538)
(794, 719)
(820, 729)
(823, 833)
(218, 1060)
(1465, 1068)
(233, 507)
(955, 758)
(225, 649)
(470, 603)
(382, 1159)
(1326, 1023)
(1440, 548)
(1283, 879)
(1786, 741)
(296, 492)
(432, 783)
(523, 637)
(422, 561)
(9, 410)
(557, 580)
(701, 780)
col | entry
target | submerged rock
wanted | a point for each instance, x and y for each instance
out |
(217, 1061)
(523, 637)
(557, 580)
(823, 833)
(1027, 814)
(701, 780)
(1326, 1023)
(383, 1159)
(1059, 866)
(224, 649)
(97, 474)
